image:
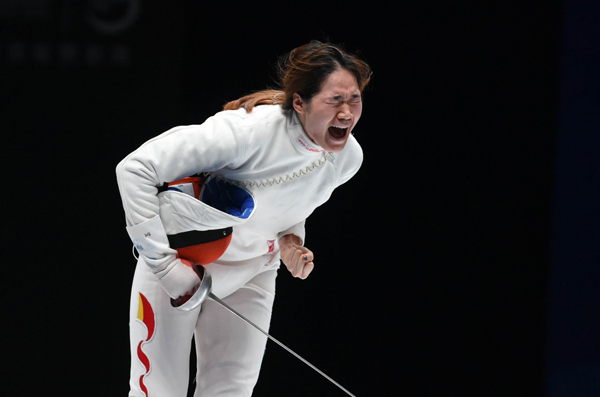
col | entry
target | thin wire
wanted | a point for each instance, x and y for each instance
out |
(226, 306)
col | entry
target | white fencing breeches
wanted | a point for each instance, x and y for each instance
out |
(229, 351)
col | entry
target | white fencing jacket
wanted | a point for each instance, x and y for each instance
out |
(265, 151)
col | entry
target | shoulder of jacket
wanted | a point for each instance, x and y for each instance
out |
(260, 114)
(349, 160)
(353, 150)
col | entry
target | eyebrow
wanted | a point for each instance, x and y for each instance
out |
(338, 97)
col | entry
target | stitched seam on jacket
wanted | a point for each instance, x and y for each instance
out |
(288, 177)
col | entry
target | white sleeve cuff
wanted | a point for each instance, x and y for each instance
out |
(150, 240)
(297, 230)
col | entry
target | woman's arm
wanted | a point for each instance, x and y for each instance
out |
(179, 152)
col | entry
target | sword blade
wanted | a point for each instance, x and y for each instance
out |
(226, 306)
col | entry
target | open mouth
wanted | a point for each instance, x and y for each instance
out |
(338, 133)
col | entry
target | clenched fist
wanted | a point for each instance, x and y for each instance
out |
(298, 259)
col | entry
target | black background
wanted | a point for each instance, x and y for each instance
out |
(433, 262)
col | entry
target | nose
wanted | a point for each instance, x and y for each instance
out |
(345, 112)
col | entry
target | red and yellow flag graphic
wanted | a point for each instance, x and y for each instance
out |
(147, 317)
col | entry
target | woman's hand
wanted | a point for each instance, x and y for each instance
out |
(298, 259)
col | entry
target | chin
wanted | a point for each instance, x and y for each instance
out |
(336, 146)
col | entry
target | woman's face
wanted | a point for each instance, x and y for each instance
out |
(329, 117)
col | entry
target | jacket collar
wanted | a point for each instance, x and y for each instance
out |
(299, 139)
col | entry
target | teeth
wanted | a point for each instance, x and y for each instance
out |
(342, 128)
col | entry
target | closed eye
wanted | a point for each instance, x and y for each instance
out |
(355, 100)
(339, 100)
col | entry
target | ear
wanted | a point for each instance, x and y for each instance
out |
(298, 104)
